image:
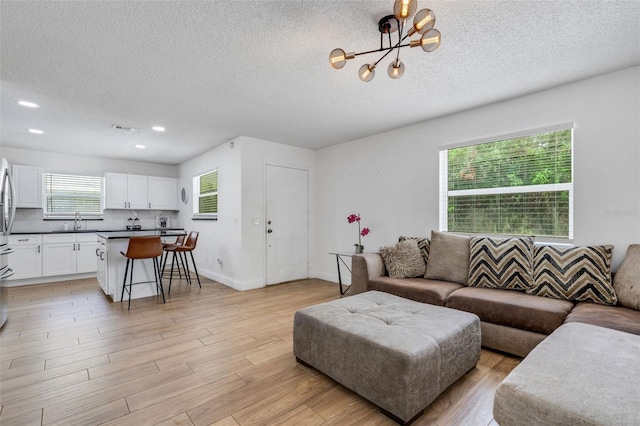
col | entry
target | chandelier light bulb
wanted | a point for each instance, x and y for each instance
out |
(430, 40)
(337, 58)
(367, 72)
(424, 20)
(402, 9)
(396, 69)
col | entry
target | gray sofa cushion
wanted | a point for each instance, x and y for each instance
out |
(616, 317)
(426, 291)
(581, 375)
(511, 308)
(627, 280)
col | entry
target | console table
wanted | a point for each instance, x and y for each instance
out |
(339, 259)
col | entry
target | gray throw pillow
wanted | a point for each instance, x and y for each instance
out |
(403, 260)
(627, 280)
(448, 258)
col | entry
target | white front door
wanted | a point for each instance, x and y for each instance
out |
(287, 224)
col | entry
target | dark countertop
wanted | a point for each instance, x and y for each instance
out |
(110, 235)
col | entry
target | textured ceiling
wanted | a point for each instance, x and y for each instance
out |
(210, 71)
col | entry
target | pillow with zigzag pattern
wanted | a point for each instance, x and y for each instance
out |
(579, 274)
(505, 263)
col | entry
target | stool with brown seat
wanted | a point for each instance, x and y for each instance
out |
(143, 247)
(170, 248)
(182, 250)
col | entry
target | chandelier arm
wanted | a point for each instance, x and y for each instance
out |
(382, 49)
(384, 56)
(401, 29)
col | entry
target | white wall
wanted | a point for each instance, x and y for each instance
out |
(31, 220)
(391, 179)
(218, 239)
(234, 238)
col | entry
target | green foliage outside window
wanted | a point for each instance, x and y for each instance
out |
(497, 181)
(206, 187)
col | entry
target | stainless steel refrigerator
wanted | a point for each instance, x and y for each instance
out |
(8, 209)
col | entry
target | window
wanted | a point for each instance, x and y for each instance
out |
(68, 194)
(205, 195)
(517, 186)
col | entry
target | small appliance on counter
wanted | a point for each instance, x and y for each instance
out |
(163, 222)
(134, 225)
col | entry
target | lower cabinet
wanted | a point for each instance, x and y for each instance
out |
(26, 260)
(67, 254)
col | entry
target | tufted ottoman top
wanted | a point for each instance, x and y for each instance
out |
(390, 320)
(398, 353)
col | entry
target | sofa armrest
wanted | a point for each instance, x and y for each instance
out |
(363, 268)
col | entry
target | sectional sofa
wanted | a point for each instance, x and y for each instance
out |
(521, 291)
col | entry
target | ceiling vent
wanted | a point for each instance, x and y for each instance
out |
(127, 128)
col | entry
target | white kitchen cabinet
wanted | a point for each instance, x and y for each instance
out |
(137, 192)
(26, 260)
(28, 183)
(67, 254)
(125, 191)
(86, 245)
(102, 260)
(115, 189)
(163, 193)
(58, 254)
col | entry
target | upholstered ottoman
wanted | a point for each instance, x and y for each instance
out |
(581, 374)
(397, 353)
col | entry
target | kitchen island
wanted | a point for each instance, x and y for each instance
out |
(111, 264)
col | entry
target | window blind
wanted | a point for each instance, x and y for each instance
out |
(68, 194)
(516, 186)
(205, 197)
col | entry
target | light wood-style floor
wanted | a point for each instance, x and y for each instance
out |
(210, 356)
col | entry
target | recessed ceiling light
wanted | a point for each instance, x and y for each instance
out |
(140, 146)
(158, 128)
(36, 131)
(28, 104)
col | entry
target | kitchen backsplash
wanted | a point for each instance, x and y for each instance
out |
(31, 220)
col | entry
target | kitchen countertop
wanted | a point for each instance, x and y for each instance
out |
(111, 233)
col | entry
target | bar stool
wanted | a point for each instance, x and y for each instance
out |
(188, 247)
(143, 247)
(170, 247)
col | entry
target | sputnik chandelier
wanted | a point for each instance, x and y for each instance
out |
(423, 23)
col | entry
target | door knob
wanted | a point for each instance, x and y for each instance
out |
(269, 231)
(268, 222)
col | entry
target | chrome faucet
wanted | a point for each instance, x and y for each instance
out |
(77, 221)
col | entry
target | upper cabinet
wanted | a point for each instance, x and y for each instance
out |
(28, 182)
(162, 193)
(138, 192)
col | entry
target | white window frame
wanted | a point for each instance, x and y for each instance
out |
(445, 193)
(196, 196)
(71, 214)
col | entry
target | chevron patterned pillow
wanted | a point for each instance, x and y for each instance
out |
(574, 273)
(505, 263)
